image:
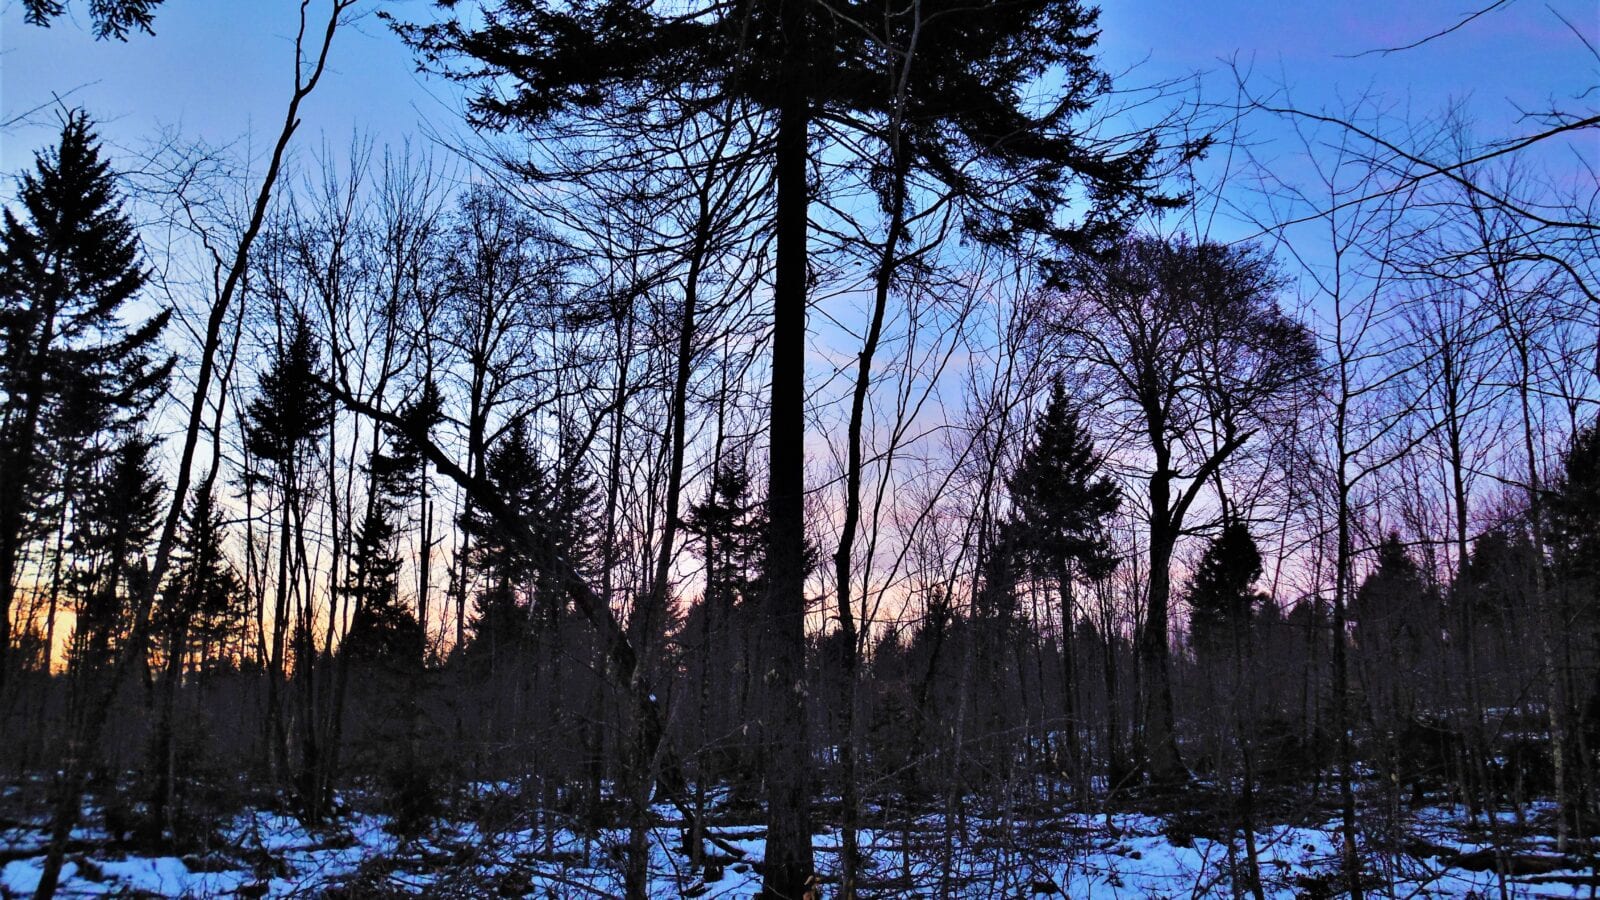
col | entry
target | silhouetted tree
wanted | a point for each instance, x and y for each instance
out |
(969, 124)
(69, 264)
(116, 520)
(1194, 356)
(111, 18)
(401, 475)
(1061, 502)
(382, 629)
(1392, 610)
(1222, 594)
(200, 598)
(284, 420)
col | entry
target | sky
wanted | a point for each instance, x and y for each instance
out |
(218, 70)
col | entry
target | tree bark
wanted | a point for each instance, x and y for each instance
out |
(788, 867)
(1162, 763)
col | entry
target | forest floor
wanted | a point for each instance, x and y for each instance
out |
(490, 845)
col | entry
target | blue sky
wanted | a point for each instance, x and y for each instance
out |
(217, 70)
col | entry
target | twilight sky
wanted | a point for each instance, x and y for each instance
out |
(216, 69)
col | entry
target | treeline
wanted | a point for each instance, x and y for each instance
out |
(774, 427)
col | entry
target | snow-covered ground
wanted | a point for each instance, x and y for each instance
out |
(1123, 855)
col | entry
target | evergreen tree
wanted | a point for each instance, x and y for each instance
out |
(199, 600)
(290, 409)
(1574, 536)
(1498, 577)
(568, 523)
(1388, 594)
(69, 264)
(201, 594)
(283, 422)
(381, 628)
(402, 474)
(1222, 594)
(1059, 506)
(111, 18)
(503, 616)
(116, 521)
(1060, 499)
(731, 527)
(1574, 510)
(1394, 611)
(402, 471)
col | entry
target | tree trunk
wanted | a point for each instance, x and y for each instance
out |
(788, 866)
(1069, 683)
(1162, 763)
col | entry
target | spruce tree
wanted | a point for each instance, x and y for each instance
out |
(1060, 504)
(381, 628)
(1395, 609)
(1060, 499)
(402, 475)
(290, 411)
(1574, 511)
(1222, 594)
(503, 619)
(116, 521)
(1385, 603)
(568, 519)
(203, 588)
(1574, 535)
(69, 265)
(731, 528)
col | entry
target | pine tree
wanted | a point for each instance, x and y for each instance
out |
(69, 265)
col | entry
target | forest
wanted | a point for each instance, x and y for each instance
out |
(800, 449)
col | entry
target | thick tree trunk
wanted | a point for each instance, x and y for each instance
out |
(1162, 763)
(788, 866)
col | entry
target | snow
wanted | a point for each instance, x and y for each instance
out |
(1127, 855)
